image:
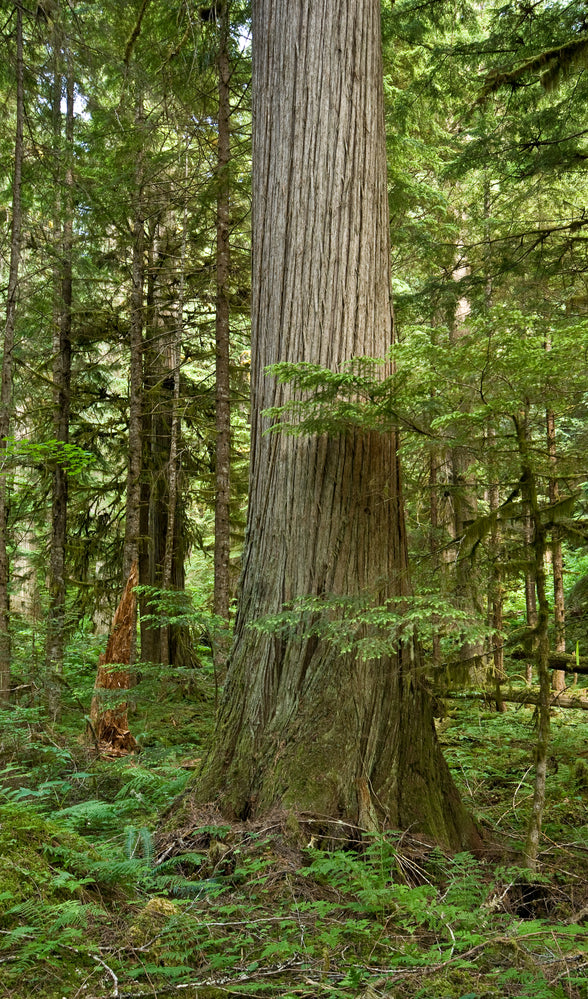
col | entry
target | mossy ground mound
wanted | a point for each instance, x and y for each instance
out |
(30, 850)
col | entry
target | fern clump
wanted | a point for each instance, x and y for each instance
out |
(26, 869)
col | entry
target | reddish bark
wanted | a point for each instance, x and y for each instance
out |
(110, 726)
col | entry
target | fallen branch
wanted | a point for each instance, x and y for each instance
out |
(110, 972)
(559, 660)
(562, 700)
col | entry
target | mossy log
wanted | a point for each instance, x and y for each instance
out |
(561, 661)
(519, 697)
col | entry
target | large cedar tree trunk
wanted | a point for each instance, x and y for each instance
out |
(303, 725)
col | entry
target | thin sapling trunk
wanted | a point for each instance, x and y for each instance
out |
(7, 360)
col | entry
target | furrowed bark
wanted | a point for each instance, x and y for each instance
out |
(222, 517)
(303, 724)
(109, 722)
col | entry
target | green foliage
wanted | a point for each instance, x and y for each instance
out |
(372, 629)
(20, 453)
(187, 608)
(238, 909)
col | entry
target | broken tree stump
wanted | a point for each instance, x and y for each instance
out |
(110, 725)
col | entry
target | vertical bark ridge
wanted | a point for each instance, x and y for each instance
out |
(304, 723)
(222, 525)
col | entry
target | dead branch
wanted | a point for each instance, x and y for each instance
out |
(562, 700)
(559, 660)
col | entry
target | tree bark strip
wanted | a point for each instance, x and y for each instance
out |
(538, 548)
(496, 587)
(7, 359)
(131, 542)
(222, 512)
(110, 726)
(62, 351)
(558, 680)
(167, 656)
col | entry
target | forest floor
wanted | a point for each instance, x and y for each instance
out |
(95, 902)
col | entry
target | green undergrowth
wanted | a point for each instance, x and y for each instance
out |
(491, 757)
(95, 902)
(248, 912)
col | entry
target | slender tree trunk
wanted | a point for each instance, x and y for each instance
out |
(7, 361)
(171, 537)
(464, 499)
(539, 548)
(496, 587)
(530, 588)
(161, 547)
(62, 349)
(496, 596)
(530, 572)
(465, 590)
(222, 523)
(157, 425)
(303, 724)
(132, 507)
(558, 679)
(434, 544)
(148, 537)
(110, 724)
(132, 552)
(133, 490)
